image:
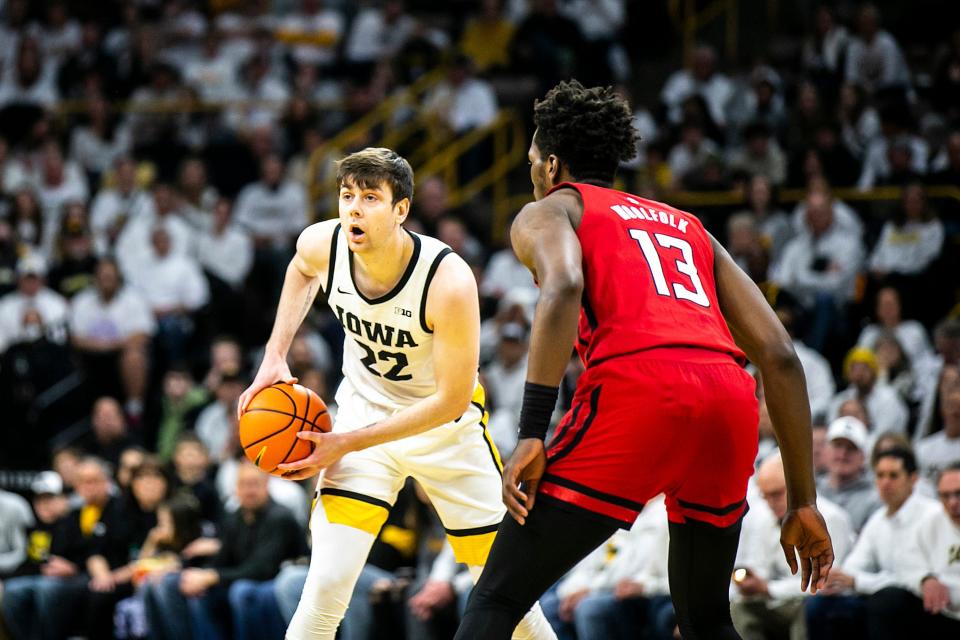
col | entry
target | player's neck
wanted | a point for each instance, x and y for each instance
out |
(380, 270)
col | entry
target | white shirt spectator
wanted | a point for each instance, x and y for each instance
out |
(215, 79)
(597, 19)
(844, 217)
(683, 159)
(639, 554)
(279, 214)
(314, 37)
(471, 105)
(821, 386)
(858, 136)
(935, 452)
(372, 38)
(795, 271)
(932, 551)
(258, 104)
(16, 517)
(42, 92)
(214, 428)
(761, 553)
(169, 282)
(503, 273)
(227, 255)
(827, 53)
(94, 153)
(289, 494)
(113, 209)
(910, 334)
(134, 247)
(51, 306)
(876, 164)
(717, 91)
(59, 42)
(72, 188)
(125, 315)
(908, 249)
(877, 64)
(884, 406)
(876, 559)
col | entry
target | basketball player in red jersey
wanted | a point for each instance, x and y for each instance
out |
(664, 321)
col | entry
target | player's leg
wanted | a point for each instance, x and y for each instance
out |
(354, 499)
(524, 562)
(700, 565)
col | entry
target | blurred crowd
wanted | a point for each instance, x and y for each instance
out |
(154, 173)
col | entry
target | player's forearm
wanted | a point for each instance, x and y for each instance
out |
(554, 332)
(426, 414)
(786, 395)
(299, 291)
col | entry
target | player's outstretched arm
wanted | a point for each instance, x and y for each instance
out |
(546, 243)
(758, 331)
(453, 312)
(300, 286)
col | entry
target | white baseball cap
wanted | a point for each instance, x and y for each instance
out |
(47, 482)
(848, 428)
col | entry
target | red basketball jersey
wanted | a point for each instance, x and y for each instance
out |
(648, 278)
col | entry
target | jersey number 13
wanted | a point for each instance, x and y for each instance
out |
(684, 265)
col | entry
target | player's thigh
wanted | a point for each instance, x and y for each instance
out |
(461, 474)
(359, 490)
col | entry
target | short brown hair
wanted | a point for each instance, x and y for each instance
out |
(371, 167)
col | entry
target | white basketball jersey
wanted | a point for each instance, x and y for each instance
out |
(388, 348)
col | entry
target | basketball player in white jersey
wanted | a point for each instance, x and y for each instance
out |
(409, 403)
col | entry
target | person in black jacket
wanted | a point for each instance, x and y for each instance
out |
(254, 540)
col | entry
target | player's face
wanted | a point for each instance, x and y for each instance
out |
(543, 171)
(368, 215)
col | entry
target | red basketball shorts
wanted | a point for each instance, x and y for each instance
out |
(678, 421)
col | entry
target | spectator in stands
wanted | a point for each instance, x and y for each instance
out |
(108, 436)
(760, 155)
(197, 196)
(65, 462)
(895, 368)
(820, 383)
(772, 222)
(701, 78)
(548, 41)
(818, 431)
(766, 600)
(488, 36)
(47, 604)
(135, 242)
(691, 154)
(16, 519)
(130, 458)
(874, 562)
(75, 261)
(503, 273)
(96, 144)
(910, 333)
(897, 155)
(950, 173)
(111, 327)
(929, 606)
(174, 288)
(937, 451)
(26, 217)
(57, 182)
(30, 81)
(746, 246)
(463, 101)
(225, 253)
(314, 32)
(859, 121)
(32, 296)
(832, 158)
(89, 66)
(501, 380)
(874, 59)
(452, 231)
(50, 505)
(819, 267)
(887, 411)
(180, 402)
(620, 590)
(213, 73)
(911, 241)
(254, 540)
(938, 373)
(217, 424)
(824, 50)
(847, 483)
(192, 474)
(113, 207)
(804, 117)
(377, 32)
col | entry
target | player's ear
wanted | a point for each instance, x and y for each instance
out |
(402, 210)
(552, 167)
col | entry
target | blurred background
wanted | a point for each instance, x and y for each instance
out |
(158, 159)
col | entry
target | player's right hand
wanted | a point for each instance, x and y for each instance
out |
(804, 534)
(273, 369)
(526, 465)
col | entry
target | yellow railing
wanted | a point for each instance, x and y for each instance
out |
(508, 144)
(382, 119)
(691, 20)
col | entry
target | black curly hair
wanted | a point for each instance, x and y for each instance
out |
(590, 130)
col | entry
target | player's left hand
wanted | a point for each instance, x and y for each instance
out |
(526, 465)
(327, 449)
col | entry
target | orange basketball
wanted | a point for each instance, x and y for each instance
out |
(269, 426)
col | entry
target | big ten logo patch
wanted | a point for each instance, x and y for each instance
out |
(400, 311)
